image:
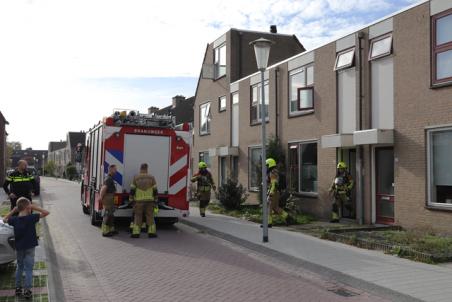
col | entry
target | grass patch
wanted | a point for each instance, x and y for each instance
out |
(4, 210)
(37, 298)
(254, 214)
(418, 245)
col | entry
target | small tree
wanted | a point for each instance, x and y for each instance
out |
(49, 168)
(231, 195)
(275, 150)
(71, 171)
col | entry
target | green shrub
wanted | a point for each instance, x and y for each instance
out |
(231, 195)
(71, 172)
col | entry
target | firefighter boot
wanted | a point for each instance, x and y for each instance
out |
(284, 216)
(152, 231)
(106, 230)
(131, 227)
(270, 221)
(202, 212)
(335, 213)
(143, 227)
(136, 231)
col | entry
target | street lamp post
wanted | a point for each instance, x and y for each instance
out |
(262, 51)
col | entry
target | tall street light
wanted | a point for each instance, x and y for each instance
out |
(262, 51)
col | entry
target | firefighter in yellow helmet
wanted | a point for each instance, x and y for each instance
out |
(205, 183)
(144, 194)
(273, 192)
(341, 189)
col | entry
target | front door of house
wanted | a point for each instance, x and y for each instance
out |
(384, 184)
(349, 157)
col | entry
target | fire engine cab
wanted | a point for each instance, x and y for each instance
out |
(127, 139)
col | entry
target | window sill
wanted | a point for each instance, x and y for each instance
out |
(221, 110)
(258, 123)
(441, 85)
(306, 194)
(253, 190)
(204, 134)
(301, 113)
(439, 207)
(219, 78)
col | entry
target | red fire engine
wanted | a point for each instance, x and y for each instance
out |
(127, 139)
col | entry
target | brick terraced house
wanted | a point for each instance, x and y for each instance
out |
(379, 99)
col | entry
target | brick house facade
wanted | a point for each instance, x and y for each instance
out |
(378, 99)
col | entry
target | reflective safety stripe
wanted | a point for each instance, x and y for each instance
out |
(8, 178)
(21, 179)
(204, 188)
(144, 195)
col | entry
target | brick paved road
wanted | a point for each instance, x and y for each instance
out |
(181, 265)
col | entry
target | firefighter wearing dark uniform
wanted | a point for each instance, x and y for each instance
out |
(341, 188)
(273, 192)
(19, 183)
(144, 193)
(205, 183)
(107, 197)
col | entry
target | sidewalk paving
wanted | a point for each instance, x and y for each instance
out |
(40, 272)
(366, 268)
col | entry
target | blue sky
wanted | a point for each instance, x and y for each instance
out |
(76, 60)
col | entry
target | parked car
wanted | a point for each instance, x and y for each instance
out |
(7, 243)
(34, 172)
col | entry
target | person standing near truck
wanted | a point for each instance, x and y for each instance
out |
(107, 197)
(19, 183)
(205, 183)
(144, 193)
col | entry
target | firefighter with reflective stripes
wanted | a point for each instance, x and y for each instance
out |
(341, 188)
(107, 198)
(273, 192)
(144, 193)
(19, 183)
(205, 183)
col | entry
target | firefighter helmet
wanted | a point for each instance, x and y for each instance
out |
(270, 162)
(342, 165)
(202, 165)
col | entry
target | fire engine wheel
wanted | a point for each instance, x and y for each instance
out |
(85, 209)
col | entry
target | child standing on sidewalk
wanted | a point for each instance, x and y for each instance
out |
(26, 241)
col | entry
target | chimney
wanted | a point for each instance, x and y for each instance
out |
(177, 100)
(273, 29)
(152, 110)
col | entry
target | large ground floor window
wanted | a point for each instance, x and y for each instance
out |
(303, 167)
(254, 168)
(204, 156)
(439, 144)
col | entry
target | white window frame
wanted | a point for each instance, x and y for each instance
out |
(430, 202)
(250, 162)
(259, 101)
(300, 170)
(222, 107)
(205, 154)
(349, 64)
(305, 85)
(208, 117)
(386, 53)
(217, 61)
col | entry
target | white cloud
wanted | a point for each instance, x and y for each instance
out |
(48, 46)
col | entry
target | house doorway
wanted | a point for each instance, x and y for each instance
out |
(384, 185)
(349, 157)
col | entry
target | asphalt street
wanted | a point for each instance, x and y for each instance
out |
(182, 264)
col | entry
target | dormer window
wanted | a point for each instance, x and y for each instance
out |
(220, 61)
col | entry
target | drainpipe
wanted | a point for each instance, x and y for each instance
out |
(276, 102)
(359, 149)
